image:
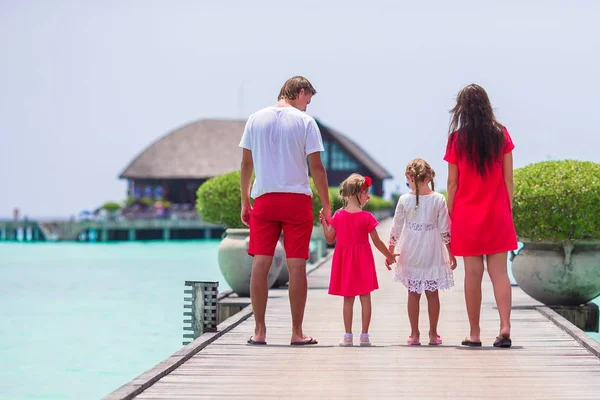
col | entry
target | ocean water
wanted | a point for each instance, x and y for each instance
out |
(79, 320)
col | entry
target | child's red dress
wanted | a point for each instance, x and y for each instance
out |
(353, 266)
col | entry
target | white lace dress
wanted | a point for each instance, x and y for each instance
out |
(420, 237)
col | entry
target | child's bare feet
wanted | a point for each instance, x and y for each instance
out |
(413, 340)
(435, 339)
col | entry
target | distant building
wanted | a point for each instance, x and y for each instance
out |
(175, 165)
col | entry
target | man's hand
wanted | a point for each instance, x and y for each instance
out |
(246, 211)
(326, 214)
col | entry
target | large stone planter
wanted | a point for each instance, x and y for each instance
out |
(556, 273)
(236, 265)
(319, 238)
(284, 276)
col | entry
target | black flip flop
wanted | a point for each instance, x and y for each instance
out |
(304, 342)
(504, 343)
(469, 343)
(254, 342)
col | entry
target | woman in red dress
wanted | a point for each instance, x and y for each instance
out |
(480, 192)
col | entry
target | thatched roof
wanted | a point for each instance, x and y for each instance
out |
(208, 148)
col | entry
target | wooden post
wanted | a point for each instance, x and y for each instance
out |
(202, 306)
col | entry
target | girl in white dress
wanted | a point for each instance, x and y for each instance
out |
(421, 235)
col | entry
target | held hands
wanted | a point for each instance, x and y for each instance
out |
(325, 214)
(324, 219)
(390, 260)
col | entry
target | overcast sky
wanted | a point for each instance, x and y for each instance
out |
(87, 85)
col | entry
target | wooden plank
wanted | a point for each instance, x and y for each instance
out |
(545, 361)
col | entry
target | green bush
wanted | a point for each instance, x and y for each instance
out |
(557, 200)
(219, 200)
(111, 206)
(375, 204)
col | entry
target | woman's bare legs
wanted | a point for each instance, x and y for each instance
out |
(473, 277)
(497, 269)
(413, 316)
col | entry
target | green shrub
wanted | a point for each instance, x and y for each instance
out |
(375, 204)
(557, 200)
(219, 201)
(111, 206)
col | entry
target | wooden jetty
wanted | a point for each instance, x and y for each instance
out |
(550, 358)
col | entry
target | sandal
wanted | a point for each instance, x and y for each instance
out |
(503, 342)
(437, 342)
(365, 341)
(469, 343)
(347, 340)
(410, 342)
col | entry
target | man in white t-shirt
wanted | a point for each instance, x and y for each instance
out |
(276, 143)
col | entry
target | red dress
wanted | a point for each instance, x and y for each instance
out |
(481, 217)
(353, 266)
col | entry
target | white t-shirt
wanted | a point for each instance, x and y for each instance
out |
(280, 139)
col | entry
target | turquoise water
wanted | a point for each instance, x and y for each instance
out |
(79, 320)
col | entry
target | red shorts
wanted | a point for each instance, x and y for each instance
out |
(274, 212)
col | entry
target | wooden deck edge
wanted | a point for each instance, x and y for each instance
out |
(133, 388)
(580, 336)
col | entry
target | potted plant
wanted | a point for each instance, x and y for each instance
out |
(112, 208)
(219, 202)
(556, 218)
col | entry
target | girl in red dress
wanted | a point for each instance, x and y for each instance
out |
(353, 266)
(480, 194)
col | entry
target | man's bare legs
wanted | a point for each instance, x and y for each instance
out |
(259, 292)
(413, 316)
(473, 277)
(297, 291)
(497, 269)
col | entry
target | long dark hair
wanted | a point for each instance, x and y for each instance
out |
(478, 135)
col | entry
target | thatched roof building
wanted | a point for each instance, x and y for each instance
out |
(175, 165)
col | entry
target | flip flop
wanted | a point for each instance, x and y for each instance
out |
(254, 342)
(409, 342)
(304, 342)
(503, 342)
(439, 341)
(469, 343)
